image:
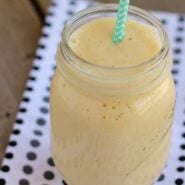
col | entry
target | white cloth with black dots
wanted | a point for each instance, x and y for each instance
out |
(28, 157)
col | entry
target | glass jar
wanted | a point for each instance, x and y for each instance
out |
(111, 126)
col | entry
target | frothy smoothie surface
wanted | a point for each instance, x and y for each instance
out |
(92, 42)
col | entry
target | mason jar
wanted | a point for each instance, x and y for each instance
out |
(111, 126)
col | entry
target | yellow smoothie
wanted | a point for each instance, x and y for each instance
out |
(111, 139)
(93, 43)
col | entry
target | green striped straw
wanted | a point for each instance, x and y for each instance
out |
(119, 31)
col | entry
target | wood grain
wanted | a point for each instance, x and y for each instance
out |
(20, 29)
(43, 5)
(164, 5)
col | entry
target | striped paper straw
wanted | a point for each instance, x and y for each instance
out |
(119, 31)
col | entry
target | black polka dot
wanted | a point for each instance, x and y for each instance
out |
(180, 169)
(38, 132)
(161, 178)
(41, 46)
(183, 135)
(178, 39)
(164, 21)
(25, 99)
(50, 14)
(182, 147)
(41, 121)
(54, 67)
(179, 181)
(19, 121)
(181, 18)
(24, 182)
(23, 110)
(47, 23)
(32, 78)
(47, 88)
(38, 56)
(50, 78)
(49, 175)
(31, 156)
(44, 110)
(27, 169)
(16, 132)
(45, 35)
(29, 88)
(5, 168)
(69, 12)
(46, 99)
(35, 143)
(8, 155)
(64, 182)
(36, 68)
(72, 2)
(182, 158)
(175, 71)
(53, 4)
(51, 162)
(175, 81)
(177, 51)
(2, 181)
(12, 143)
(180, 29)
(176, 61)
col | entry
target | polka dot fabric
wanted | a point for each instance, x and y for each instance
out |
(28, 160)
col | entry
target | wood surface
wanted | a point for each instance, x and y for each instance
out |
(163, 5)
(44, 5)
(20, 28)
(20, 25)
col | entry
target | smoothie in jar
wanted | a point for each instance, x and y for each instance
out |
(112, 105)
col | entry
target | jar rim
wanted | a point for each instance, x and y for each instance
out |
(76, 60)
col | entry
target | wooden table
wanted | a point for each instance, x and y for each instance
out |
(20, 25)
